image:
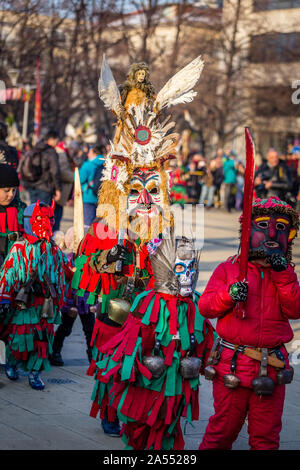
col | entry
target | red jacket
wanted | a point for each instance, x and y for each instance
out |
(273, 299)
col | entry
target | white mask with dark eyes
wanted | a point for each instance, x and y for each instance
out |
(186, 273)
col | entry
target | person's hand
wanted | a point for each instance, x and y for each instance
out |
(268, 184)
(57, 195)
(257, 181)
(278, 262)
(238, 291)
(117, 252)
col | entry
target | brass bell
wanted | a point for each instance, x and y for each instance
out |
(209, 372)
(155, 364)
(190, 367)
(231, 381)
(263, 385)
(47, 308)
(22, 298)
(118, 310)
(285, 376)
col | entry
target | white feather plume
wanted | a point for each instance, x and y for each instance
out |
(108, 89)
(179, 88)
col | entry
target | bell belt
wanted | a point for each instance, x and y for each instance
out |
(241, 349)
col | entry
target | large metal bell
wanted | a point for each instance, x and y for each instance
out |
(190, 367)
(263, 385)
(285, 376)
(118, 310)
(47, 308)
(210, 372)
(155, 364)
(22, 298)
(231, 381)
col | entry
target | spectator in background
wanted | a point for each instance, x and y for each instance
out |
(292, 162)
(193, 184)
(230, 173)
(273, 178)
(66, 170)
(239, 186)
(87, 179)
(8, 154)
(48, 185)
(218, 174)
(208, 187)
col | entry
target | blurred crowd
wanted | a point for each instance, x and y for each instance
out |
(46, 171)
(219, 182)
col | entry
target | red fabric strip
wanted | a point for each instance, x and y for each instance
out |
(172, 307)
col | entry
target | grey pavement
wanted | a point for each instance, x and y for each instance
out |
(58, 417)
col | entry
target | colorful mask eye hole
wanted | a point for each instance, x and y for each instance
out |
(154, 191)
(134, 192)
(263, 224)
(179, 268)
(280, 226)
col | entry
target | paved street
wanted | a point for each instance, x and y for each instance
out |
(58, 417)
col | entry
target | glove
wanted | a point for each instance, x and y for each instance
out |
(118, 252)
(277, 262)
(239, 291)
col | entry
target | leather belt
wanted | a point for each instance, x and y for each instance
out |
(255, 353)
(241, 349)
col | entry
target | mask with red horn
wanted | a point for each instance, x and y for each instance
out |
(42, 220)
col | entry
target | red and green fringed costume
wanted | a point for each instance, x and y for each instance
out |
(11, 227)
(90, 277)
(30, 336)
(151, 408)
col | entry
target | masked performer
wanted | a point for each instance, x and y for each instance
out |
(133, 214)
(157, 356)
(250, 366)
(11, 228)
(33, 282)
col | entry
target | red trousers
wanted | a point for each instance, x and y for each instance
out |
(231, 408)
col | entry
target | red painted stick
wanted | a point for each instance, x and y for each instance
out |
(247, 205)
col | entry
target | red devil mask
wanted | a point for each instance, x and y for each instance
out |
(42, 221)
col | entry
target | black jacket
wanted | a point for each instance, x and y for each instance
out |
(10, 154)
(50, 180)
(281, 179)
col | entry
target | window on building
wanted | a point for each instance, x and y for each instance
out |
(272, 101)
(262, 5)
(275, 47)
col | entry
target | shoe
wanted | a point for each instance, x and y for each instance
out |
(35, 381)
(11, 372)
(55, 359)
(111, 429)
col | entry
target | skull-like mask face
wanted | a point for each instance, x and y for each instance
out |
(185, 267)
(186, 273)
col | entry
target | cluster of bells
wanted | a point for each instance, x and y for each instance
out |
(189, 365)
(262, 385)
(22, 297)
